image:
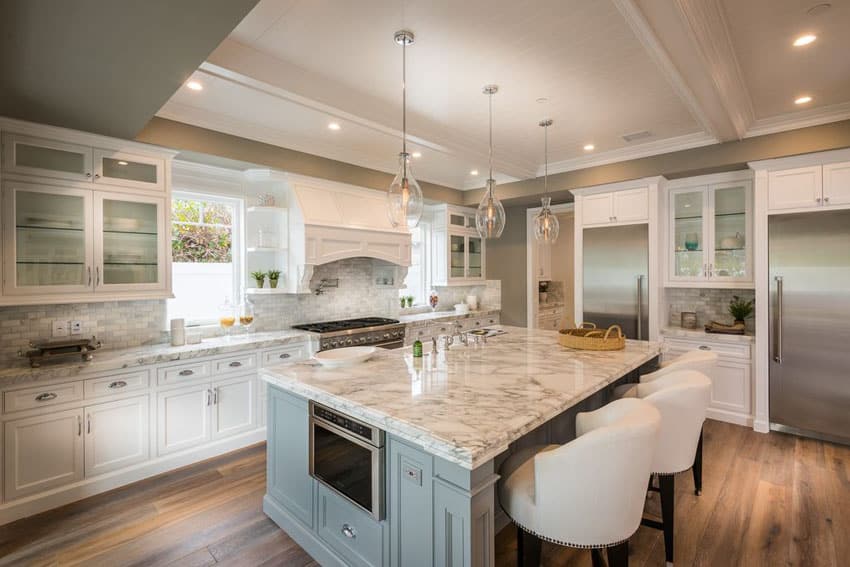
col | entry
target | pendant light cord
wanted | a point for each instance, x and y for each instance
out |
(404, 104)
(546, 159)
(490, 152)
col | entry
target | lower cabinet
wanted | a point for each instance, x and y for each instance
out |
(349, 531)
(116, 435)
(233, 406)
(288, 466)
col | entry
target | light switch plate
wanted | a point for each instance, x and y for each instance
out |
(76, 327)
(60, 328)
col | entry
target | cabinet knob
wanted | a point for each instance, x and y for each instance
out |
(817, 199)
(348, 531)
(97, 176)
(704, 347)
(285, 355)
(88, 174)
(826, 199)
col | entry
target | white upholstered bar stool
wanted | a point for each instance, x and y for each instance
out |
(701, 360)
(682, 399)
(588, 493)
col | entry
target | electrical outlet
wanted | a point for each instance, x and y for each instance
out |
(76, 327)
(60, 329)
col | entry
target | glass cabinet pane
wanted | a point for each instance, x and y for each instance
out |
(52, 159)
(130, 242)
(129, 170)
(458, 260)
(730, 229)
(688, 234)
(457, 220)
(50, 239)
(474, 257)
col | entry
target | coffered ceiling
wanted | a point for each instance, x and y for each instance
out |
(679, 74)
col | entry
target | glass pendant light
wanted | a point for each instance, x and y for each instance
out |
(490, 216)
(546, 226)
(404, 198)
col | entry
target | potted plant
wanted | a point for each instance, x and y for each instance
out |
(409, 299)
(274, 276)
(260, 278)
(402, 300)
(741, 309)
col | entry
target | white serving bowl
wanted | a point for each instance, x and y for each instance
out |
(461, 308)
(348, 356)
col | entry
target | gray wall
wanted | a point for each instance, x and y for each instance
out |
(506, 261)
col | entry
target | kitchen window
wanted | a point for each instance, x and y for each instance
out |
(417, 282)
(206, 259)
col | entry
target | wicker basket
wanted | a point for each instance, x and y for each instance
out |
(588, 337)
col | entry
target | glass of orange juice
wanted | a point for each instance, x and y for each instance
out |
(227, 317)
(246, 315)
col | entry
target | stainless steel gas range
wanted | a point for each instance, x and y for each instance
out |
(364, 331)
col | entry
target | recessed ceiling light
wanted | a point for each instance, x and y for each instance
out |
(589, 147)
(803, 100)
(333, 126)
(195, 86)
(474, 172)
(416, 154)
(804, 40)
(122, 162)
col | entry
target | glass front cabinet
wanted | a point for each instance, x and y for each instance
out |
(457, 249)
(710, 235)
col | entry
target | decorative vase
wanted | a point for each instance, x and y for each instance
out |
(273, 284)
(261, 283)
(691, 241)
(740, 322)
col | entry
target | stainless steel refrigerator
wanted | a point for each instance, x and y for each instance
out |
(809, 257)
(616, 288)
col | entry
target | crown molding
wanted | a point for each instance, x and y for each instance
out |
(800, 119)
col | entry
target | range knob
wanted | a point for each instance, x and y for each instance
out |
(386, 335)
(333, 344)
(349, 341)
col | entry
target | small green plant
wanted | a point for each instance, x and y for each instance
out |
(259, 277)
(741, 309)
(409, 299)
(274, 275)
(402, 300)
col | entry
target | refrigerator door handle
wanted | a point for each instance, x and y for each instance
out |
(777, 323)
(640, 308)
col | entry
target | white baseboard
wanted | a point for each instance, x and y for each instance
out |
(761, 426)
(30, 505)
(729, 417)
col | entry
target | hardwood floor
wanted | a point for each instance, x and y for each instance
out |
(767, 500)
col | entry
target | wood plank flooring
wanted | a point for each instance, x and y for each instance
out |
(767, 500)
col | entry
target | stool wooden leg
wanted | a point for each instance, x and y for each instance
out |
(520, 547)
(618, 555)
(697, 469)
(528, 549)
(667, 482)
(596, 558)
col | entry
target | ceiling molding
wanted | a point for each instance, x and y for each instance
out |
(645, 34)
(801, 119)
(687, 142)
(708, 29)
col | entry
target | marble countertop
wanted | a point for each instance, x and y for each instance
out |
(430, 317)
(466, 405)
(701, 335)
(110, 360)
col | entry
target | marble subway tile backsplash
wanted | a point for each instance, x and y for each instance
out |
(709, 305)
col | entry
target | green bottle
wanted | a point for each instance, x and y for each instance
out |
(417, 349)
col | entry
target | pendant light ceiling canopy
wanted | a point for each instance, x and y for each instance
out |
(546, 225)
(404, 197)
(490, 216)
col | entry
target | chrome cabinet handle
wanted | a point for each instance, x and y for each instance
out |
(97, 276)
(186, 372)
(88, 268)
(826, 199)
(348, 531)
(79, 426)
(235, 364)
(97, 176)
(777, 324)
(88, 174)
(817, 199)
(704, 347)
(88, 424)
(639, 307)
(208, 397)
(285, 355)
(46, 397)
(117, 384)
(215, 396)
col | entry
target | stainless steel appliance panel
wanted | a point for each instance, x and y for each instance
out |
(809, 258)
(616, 287)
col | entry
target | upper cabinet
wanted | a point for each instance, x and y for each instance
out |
(128, 170)
(709, 235)
(618, 207)
(809, 187)
(458, 252)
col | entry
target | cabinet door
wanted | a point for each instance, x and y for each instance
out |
(730, 386)
(47, 158)
(43, 452)
(730, 232)
(129, 170)
(597, 209)
(48, 239)
(687, 238)
(288, 474)
(475, 258)
(130, 240)
(836, 184)
(233, 406)
(457, 256)
(116, 435)
(183, 418)
(631, 205)
(794, 188)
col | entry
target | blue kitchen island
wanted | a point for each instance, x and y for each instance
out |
(394, 461)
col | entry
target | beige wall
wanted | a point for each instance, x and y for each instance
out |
(506, 261)
(562, 264)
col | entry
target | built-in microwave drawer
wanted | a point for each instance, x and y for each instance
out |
(236, 363)
(349, 530)
(42, 396)
(284, 354)
(117, 384)
(183, 372)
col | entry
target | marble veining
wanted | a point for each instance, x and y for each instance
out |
(466, 405)
(111, 360)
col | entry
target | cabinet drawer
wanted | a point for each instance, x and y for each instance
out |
(42, 396)
(238, 363)
(117, 384)
(284, 354)
(183, 372)
(724, 350)
(349, 530)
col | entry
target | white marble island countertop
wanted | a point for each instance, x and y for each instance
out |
(469, 404)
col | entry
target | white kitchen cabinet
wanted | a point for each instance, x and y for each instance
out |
(46, 158)
(597, 209)
(458, 252)
(125, 169)
(709, 235)
(233, 406)
(116, 435)
(183, 418)
(616, 207)
(798, 188)
(836, 184)
(42, 452)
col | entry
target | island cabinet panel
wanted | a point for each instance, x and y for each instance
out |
(289, 480)
(451, 526)
(410, 505)
(349, 531)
